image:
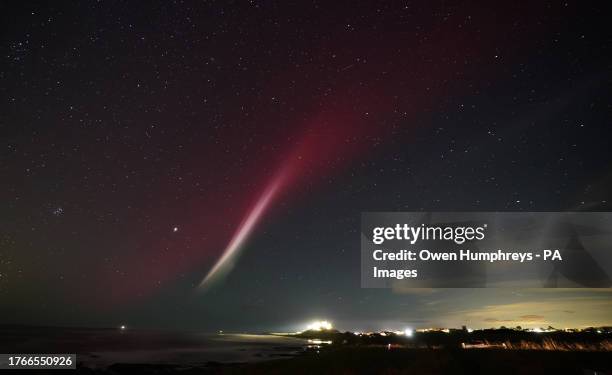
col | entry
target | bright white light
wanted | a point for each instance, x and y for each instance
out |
(408, 332)
(122, 328)
(175, 229)
(320, 342)
(319, 325)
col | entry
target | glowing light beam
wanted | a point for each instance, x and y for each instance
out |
(227, 260)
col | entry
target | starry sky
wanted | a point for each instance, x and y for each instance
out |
(138, 137)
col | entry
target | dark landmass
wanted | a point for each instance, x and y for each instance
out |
(590, 339)
(357, 360)
(455, 351)
(372, 360)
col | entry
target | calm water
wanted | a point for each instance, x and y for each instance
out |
(98, 348)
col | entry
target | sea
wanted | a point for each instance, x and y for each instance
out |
(100, 348)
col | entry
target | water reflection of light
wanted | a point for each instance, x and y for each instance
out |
(319, 342)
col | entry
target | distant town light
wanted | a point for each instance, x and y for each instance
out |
(319, 325)
(408, 332)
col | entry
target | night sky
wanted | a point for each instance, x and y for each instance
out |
(138, 136)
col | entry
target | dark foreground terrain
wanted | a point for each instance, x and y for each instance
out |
(357, 360)
(502, 351)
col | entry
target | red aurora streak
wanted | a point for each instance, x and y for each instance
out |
(378, 86)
